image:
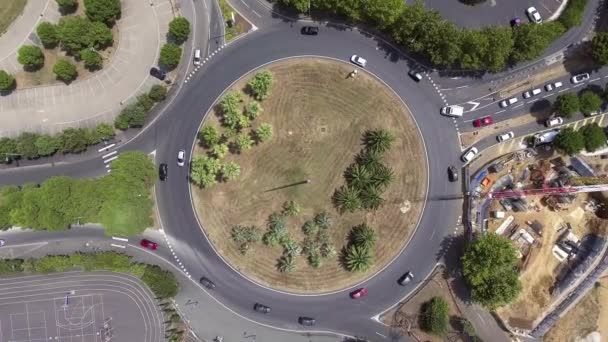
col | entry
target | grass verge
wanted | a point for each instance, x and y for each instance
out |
(9, 11)
(237, 29)
(318, 116)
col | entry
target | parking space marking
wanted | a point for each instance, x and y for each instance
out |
(593, 80)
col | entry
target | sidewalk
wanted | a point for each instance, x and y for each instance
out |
(52, 108)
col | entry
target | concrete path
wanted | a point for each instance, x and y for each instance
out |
(51, 108)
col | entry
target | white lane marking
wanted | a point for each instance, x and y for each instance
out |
(244, 3)
(119, 239)
(563, 90)
(544, 97)
(256, 13)
(118, 246)
(517, 106)
(501, 111)
(106, 148)
(109, 154)
(593, 80)
(110, 159)
(379, 334)
(533, 101)
(578, 85)
(464, 86)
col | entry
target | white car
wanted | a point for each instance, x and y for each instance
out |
(360, 61)
(551, 86)
(533, 15)
(579, 78)
(507, 103)
(197, 57)
(505, 136)
(528, 94)
(181, 156)
(454, 110)
(470, 154)
(554, 122)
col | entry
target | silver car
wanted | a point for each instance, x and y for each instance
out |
(181, 156)
(360, 61)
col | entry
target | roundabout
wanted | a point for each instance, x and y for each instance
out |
(318, 114)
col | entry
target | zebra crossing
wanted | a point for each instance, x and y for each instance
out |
(108, 157)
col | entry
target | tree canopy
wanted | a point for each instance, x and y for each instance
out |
(30, 56)
(594, 136)
(590, 102)
(105, 11)
(600, 47)
(179, 29)
(567, 104)
(570, 141)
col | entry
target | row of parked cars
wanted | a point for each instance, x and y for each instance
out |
(577, 79)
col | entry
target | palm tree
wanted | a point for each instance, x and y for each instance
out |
(357, 176)
(291, 208)
(264, 132)
(276, 220)
(347, 199)
(357, 258)
(230, 171)
(286, 263)
(314, 259)
(367, 157)
(309, 246)
(371, 199)
(381, 175)
(328, 250)
(363, 236)
(291, 248)
(238, 234)
(310, 228)
(323, 220)
(219, 150)
(378, 140)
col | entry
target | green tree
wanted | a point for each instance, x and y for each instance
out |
(162, 283)
(105, 11)
(55, 202)
(47, 145)
(500, 44)
(105, 131)
(31, 57)
(594, 136)
(219, 150)
(209, 136)
(243, 236)
(300, 5)
(264, 132)
(323, 220)
(378, 140)
(357, 258)
(73, 140)
(67, 6)
(27, 212)
(474, 46)
(145, 101)
(135, 115)
(590, 102)
(310, 228)
(531, 40)
(158, 92)
(346, 199)
(371, 199)
(435, 316)
(7, 82)
(286, 263)
(569, 141)
(573, 13)
(363, 236)
(260, 85)
(101, 36)
(567, 104)
(380, 175)
(253, 110)
(65, 71)
(600, 48)
(357, 176)
(384, 12)
(230, 171)
(488, 266)
(170, 54)
(74, 34)
(26, 145)
(92, 60)
(47, 32)
(291, 208)
(204, 171)
(179, 29)
(243, 142)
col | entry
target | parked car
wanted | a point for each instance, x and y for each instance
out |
(483, 121)
(470, 154)
(148, 244)
(505, 136)
(163, 171)
(554, 85)
(528, 94)
(507, 102)
(415, 75)
(554, 122)
(576, 79)
(310, 30)
(452, 173)
(207, 283)
(362, 292)
(455, 111)
(360, 61)
(181, 156)
(308, 321)
(197, 57)
(261, 308)
(533, 15)
(158, 73)
(406, 278)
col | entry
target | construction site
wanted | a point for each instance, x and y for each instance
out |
(554, 210)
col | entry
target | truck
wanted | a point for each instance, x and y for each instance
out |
(455, 111)
(545, 137)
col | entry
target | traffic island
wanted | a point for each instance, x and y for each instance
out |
(281, 204)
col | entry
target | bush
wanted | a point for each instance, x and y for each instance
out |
(162, 283)
(8, 147)
(7, 82)
(145, 101)
(158, 92)
(31, 57)
(590, 102)
(260, 85)
(67, 6)
(170, 55)
(133, 115)
(105, 131)
(594, 136)
(567, 104)
(26, 145)
(434, 317)
(65, 71)
(73, 140)
(75, 34)
(105, 11)
(47, 145)
(573, 13)
(209, 136)
(47, 32)
(92, 60)
(179, 29)
(101, 36)
(600, 48)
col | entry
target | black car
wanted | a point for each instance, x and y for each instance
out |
(163, 171)
(306, 321)
(415, 75)
(452, 173)
(406, 278)
(207, 283)
(310, 30)
(156, 72)
(261, 308)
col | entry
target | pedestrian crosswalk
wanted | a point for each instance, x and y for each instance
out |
(108, 157)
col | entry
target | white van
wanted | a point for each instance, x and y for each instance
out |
(197, 57)
(455, 111)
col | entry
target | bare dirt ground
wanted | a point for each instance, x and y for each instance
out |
(318, 117)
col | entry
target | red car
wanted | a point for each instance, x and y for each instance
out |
(148, 244)
(483, 122)
(358, 293)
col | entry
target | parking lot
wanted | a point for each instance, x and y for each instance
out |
(77, 306)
